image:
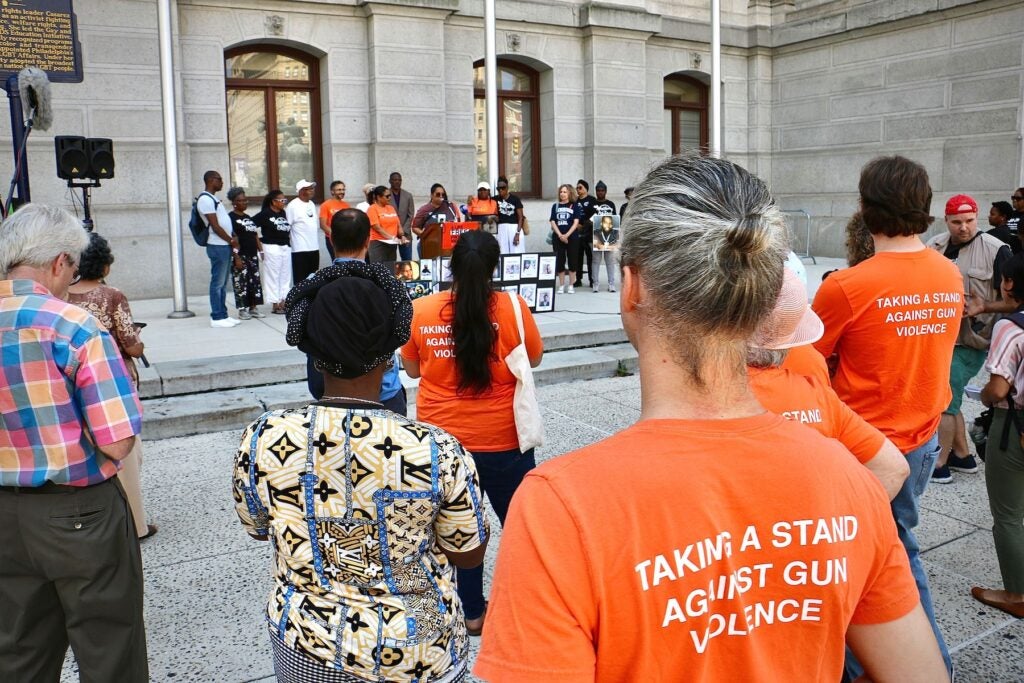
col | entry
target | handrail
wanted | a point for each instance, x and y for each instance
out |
(807, 238)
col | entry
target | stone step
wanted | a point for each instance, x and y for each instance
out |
(234, 408)
(268, 368)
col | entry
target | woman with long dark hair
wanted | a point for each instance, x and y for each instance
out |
(426, 223)
(459, 341)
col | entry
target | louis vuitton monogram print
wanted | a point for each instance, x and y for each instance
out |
(359, 505)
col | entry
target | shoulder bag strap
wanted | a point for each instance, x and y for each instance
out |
(519, 316)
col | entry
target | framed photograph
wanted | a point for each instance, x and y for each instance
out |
(417, 289)
(530, 267)
(545, 299)
(511, 266)
(546, 268)
(511, 288)
(427, 270)
(496, 275)
(528, 290)
(446, 270)
(407, 271)
(606, 233)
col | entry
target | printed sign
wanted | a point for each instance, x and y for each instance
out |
(451, 231)
(43, 34)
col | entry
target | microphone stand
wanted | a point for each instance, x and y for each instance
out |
(20, 130)
(86, 200)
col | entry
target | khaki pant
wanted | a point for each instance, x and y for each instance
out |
(70, 573)
(131, 479)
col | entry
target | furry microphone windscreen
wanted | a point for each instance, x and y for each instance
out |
(34, 87)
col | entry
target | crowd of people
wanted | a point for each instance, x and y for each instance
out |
(757, 522)
(238, 242)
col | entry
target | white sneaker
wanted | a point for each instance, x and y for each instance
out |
(572, 290)
(595, 289)
(561, 289)
(225, 322)
(611, 288)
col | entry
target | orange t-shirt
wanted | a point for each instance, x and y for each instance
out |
(385, 218)
(677, 549)
(481, 422)
(893, 319)
(482, 207)
(805, 360)
(806, 400)
(331, 207)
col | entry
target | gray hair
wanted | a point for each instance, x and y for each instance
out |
(36, 234)
(765, 358)
(708, 243)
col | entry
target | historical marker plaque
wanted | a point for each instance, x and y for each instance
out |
(40, 33)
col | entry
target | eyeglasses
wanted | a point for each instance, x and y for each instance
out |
(1016, 198)
(71, 264)
(439, 194)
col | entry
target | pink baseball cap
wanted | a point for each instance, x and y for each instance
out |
(961, 203)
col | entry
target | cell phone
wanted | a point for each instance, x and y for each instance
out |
(973, 392)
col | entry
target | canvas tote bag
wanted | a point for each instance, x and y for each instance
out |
(529, 425)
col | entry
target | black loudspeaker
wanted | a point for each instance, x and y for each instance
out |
(100, 152)
(72, 162)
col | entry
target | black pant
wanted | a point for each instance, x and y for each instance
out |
(70, 572)
(380, 252)
(304, 264)
(567, 257)
(585, 255)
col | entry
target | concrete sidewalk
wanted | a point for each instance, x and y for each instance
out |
(207, 582)
(203, 379)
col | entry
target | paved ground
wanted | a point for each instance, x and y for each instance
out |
(207, 581)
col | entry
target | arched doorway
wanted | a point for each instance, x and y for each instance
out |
(518, 126)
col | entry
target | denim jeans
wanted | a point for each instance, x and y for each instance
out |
(500, 474)
(220, 276)
(906, 512)
(405, 252)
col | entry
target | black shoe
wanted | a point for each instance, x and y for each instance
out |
(942, 475)
(965, 464)
(578, 283)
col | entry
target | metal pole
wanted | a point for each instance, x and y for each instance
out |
(491, 92)
(716, 78)
(18, 143)
(164, 29)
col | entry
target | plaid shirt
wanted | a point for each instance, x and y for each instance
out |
(63, 388)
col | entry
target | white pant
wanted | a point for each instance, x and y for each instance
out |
(507, 233)
(277, 272)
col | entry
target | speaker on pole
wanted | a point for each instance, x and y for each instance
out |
(101, 157)
(72, 162)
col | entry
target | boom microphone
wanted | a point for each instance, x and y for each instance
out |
(34, 87)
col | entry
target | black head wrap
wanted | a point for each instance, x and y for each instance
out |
(349, 317)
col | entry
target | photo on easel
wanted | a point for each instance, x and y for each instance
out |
(511, 266)
(426, 270)
(418, 288)
(530, 266)
(446, 270)
(606, 233)
(547, 268)
(407, 271)
(511, 288)
(528, 290)
(545, 299)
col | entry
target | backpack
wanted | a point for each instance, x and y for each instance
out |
(984, 421)
(197, 222)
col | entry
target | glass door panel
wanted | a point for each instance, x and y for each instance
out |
(517, 129)
(247, 141)
(294, 143)
(689, 129)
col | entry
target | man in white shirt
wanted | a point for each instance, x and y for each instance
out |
(219, 246)
(302, 215)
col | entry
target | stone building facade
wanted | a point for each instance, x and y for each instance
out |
(811, 90)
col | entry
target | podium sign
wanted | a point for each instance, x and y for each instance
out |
(451, 231)
(40, 33)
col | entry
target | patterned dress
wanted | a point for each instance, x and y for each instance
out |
(358, 504)
(110, 306)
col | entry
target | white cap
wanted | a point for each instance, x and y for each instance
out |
(484, 186)
(792, 322)
(303, 184)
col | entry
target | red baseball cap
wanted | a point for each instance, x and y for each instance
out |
(961, 203)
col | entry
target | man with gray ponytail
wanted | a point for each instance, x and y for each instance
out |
(893, 320)
(70, 568)
(709, 541)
